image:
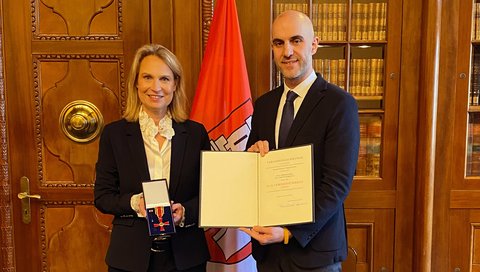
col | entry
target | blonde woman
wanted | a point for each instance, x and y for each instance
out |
(153, 140)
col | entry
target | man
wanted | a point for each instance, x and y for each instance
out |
(325, 116)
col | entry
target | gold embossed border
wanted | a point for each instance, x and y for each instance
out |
(36, 36)
(38, 107)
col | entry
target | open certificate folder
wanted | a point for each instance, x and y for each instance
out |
(243, 189)
(157, 204)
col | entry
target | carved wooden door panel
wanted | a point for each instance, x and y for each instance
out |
(66, 64)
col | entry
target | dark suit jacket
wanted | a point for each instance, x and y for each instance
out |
(121, 166)
(328, 119)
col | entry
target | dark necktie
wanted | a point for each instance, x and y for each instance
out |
(287, 118)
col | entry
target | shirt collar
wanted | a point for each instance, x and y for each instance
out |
(150, 130)
(303, 87)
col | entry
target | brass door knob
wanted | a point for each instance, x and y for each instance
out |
(81, 121)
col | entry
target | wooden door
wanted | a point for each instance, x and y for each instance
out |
(456, 243)
(62, 60)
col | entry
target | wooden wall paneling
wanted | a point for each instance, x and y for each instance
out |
(371, 238)
(446, 147)
(70, 51)
(407, 134)
(187, 41)
(255, 18)
(6, 218)
(464, 226)
(177, 25)
(59, 82)
(15, 34)
(161, 18)
(65, 223)
(136, 29)
(475, 242)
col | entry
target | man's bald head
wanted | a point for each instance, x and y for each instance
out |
(293, 44)
(297, 18)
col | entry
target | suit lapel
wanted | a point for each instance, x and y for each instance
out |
(313, 97)
(137, 149)
(179, 142)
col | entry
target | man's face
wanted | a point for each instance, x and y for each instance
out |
(293, 46)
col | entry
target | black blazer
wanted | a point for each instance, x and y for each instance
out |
(121, 166)
(328, 119)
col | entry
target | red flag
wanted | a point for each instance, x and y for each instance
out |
(224, 105)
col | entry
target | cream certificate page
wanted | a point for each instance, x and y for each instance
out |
(286, 187)
(228, 190)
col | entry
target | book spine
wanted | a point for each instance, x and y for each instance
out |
(364, 21)
(380, 77)
(335, 25)
(341, 73)
(334, 71)
(362, 151)
(354, 24)
(342, 22)
(383, 22)
(374, 134)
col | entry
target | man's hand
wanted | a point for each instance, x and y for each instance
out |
(265, 235)
(259, 147)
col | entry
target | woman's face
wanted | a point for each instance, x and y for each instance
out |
(156, 86)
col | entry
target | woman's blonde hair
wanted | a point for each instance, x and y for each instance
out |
(178, 108)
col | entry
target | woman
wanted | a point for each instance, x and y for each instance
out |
(153, 140)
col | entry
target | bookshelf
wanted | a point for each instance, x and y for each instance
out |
(472, 167)
(352, 55)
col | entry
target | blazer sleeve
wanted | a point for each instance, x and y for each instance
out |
(108, 198)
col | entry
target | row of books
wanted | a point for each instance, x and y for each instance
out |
(330, 21)
(366, 77)
(281, 7)
(476, 22)
(369, 20)
(473, 145)
(370, 147)
(332, 70)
